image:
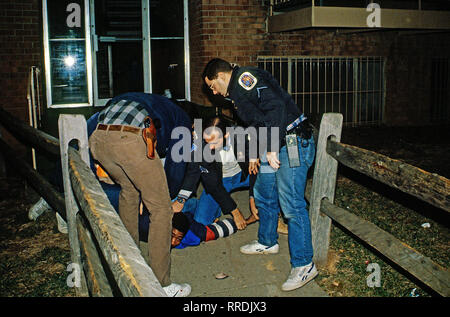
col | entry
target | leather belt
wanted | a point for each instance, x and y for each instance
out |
(118, 127)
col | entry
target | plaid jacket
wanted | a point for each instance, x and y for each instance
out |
(124, 112)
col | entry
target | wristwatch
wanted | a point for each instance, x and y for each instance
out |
(181, 200)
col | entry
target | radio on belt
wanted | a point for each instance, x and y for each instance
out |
(292, 150)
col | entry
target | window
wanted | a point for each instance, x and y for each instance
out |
(66, 50)
(97, 49)
(118, 48)
(353, 86)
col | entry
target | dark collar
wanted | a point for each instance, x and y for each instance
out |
(232, 79)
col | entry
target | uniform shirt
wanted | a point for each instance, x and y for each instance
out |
(124, 112)
(261, 102)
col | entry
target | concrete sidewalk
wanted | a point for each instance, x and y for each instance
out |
(248, 275)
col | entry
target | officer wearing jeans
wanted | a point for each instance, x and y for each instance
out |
(261, 102)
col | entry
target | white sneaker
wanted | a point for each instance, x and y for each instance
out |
(38, 209)
(257, 248)
(299, 276)
(177, 290)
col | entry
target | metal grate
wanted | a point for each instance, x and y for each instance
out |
(353, 86)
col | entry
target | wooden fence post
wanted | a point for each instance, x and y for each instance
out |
(73, 127)
(323, 185)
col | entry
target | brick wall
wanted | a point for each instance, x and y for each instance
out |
(20, 48)
(235, 31)
(229, 29)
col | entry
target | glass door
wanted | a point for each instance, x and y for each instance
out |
(118, 48)
(139, 45)
(167, 35)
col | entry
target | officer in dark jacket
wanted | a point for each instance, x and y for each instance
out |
(261, 103)
(210, 173)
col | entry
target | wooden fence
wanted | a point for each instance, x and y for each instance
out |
(428, 187)
(112, 263)
(103, 253)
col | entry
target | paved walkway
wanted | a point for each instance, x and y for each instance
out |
(248, 275)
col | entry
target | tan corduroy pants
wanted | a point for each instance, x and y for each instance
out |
(123, 156)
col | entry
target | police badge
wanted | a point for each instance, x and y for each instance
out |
(247, 81)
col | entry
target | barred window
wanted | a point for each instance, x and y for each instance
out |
(353, 86)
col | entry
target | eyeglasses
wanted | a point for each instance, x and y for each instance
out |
(212, 85)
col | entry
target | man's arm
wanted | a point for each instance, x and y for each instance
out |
(213, 185)
(220, 229)
(190, 181)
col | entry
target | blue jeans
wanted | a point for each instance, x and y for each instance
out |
(285, 188)
(205, 208)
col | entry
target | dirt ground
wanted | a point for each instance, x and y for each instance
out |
(34, 255)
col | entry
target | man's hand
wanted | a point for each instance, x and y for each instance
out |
(272, 158)
(253, 166)
(253, 208)
(239, 219)
(177, 206)
(141, 208)
(254, 212)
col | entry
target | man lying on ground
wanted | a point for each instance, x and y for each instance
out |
(187, 232)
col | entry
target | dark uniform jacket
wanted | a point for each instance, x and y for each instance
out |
(261, 102)
(210, 174)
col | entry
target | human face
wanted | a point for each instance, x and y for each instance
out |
(214, 139)
(177, 236)
(219, 85)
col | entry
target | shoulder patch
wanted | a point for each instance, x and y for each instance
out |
(247, 81)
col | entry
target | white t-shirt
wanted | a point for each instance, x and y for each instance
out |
(230, 165)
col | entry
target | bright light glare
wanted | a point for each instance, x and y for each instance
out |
(69, 61)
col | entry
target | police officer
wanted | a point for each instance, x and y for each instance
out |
(261, 103)
(118, 146)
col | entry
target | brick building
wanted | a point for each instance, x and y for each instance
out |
(413, 69)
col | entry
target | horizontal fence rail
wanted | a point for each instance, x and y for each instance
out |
(36, 139)
(421, 267)
(96, 277)
(431, 188)
(28, 135)
(37, 182)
